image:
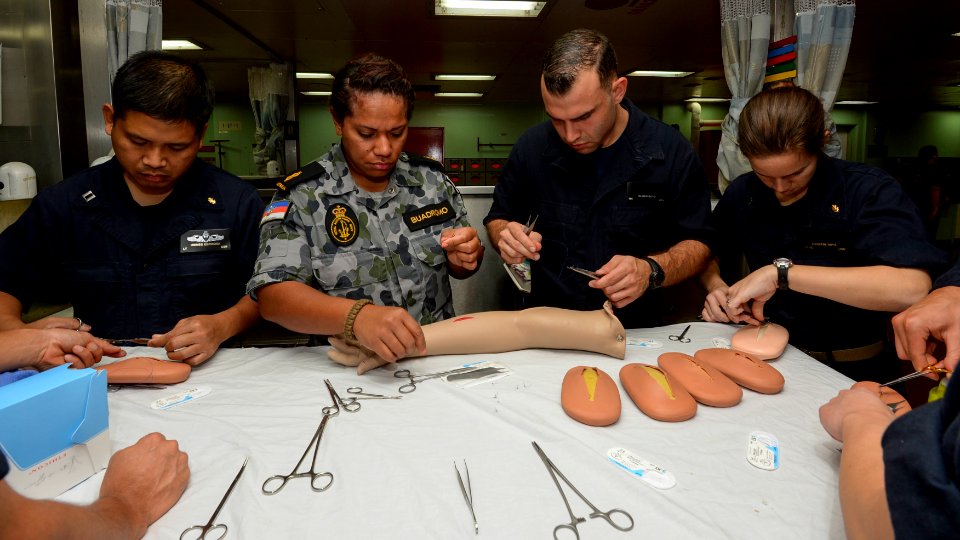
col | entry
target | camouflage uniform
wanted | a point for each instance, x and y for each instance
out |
(321, 229)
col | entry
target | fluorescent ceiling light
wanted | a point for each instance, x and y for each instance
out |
(450, 77)
(642, 73)
(315, 93)
(313, 75)
(488, 8)
(855, 102)
(707, 99)
(459, 94)
(956, 35)
(179, 45)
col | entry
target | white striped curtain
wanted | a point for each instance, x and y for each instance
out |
(132, 26)
(824, 31)
(745, 35)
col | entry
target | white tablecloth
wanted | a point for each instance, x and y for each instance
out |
(393, 460)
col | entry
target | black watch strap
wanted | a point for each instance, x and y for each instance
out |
(656, 274)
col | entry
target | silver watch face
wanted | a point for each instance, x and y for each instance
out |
(783, 262)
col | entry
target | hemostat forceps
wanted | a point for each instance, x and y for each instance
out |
(312, 473)
(414, 379)
(357, 391)
(202, 530)
(350, 404)
(574, 520)
(916, 374)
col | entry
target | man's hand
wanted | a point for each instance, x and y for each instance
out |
(79, 349)
(516, 244)
(390, 332)
(68, 323)
(145, 480)
(746, 298)
(856, 408)
(462, 246)
(193, 340)
(623, 279)
(920, 328)
(714, 304)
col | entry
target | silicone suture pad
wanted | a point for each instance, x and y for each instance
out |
(746, 370)
(590, 396)
(890, 397)
(656, 393)
(704, 382)
(765, 342)
(143, 370)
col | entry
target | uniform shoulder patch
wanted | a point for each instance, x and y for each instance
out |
(342, 224)
(309, 171)
(275, 211)
(425, 161)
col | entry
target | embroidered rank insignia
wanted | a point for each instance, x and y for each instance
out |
(342, 224)
(422, 218)
(275, 211)
(211, 200)
(835, 209)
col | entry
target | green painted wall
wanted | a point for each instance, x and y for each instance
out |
(869, 130)
(233, 122)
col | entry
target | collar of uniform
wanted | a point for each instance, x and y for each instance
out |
(644, 143)
(196, 188)
(404, 174)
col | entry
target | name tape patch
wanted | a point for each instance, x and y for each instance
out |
(198, 241)
(421, 218)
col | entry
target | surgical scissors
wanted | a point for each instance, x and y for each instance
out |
(414, 379)
(312, 473)
(204, 529)
(682, 338)
(357, 391)
(350, 404)
(574, 520)
(916, 374)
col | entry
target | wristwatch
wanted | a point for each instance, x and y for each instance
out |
(783, 265)
(656, 274)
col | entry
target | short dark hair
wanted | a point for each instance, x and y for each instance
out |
(368, 74)
(928, 152)
(781, 120)
(573, 53)
(163, 86)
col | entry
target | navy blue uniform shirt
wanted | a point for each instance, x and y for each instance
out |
(639, 196)
(4, 466)
(852, 215)
(133, 271)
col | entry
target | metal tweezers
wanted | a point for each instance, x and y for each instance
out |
(531, 221)
(124, 341)
(467, 493)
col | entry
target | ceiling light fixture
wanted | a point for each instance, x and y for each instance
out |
(179, 45)
(488, 8)
(451, 77)
(648, 73)
(315, 93)
(459, 94)
(313, 75)
(855, 102)
(707, 100)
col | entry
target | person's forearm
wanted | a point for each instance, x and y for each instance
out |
(494, 228)
(21, 348)
(239, 317)
(685, 259)
(10, 309)
(34, 519)
(301, 308)
(877, 288)
(863, 498)
(710, 278)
